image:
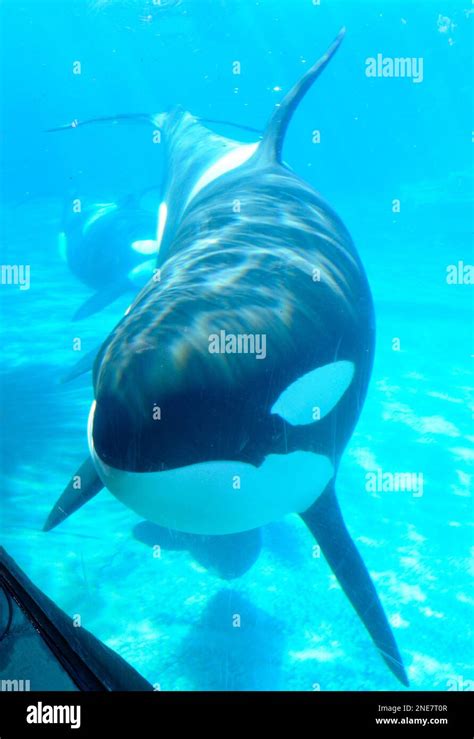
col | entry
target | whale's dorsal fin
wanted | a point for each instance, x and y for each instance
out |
(272, 144)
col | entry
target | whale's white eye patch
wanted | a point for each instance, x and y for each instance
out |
(145, 246)
(315, 394)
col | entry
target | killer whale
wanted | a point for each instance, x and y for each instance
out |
(173, 428)
(111, 247)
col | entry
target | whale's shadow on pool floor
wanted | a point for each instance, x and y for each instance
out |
(234, 646)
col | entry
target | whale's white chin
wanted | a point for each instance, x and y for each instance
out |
(221, 497)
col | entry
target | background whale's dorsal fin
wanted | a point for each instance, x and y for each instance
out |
(154, 119)
(272, 144)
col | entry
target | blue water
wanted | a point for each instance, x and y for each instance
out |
(381, 140)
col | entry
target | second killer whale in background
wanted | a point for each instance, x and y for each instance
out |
(110, 247)
(227, 417)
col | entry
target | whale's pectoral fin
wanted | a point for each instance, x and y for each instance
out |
(85, 364)
(324, 519)
(81, 488)
(100, 300)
